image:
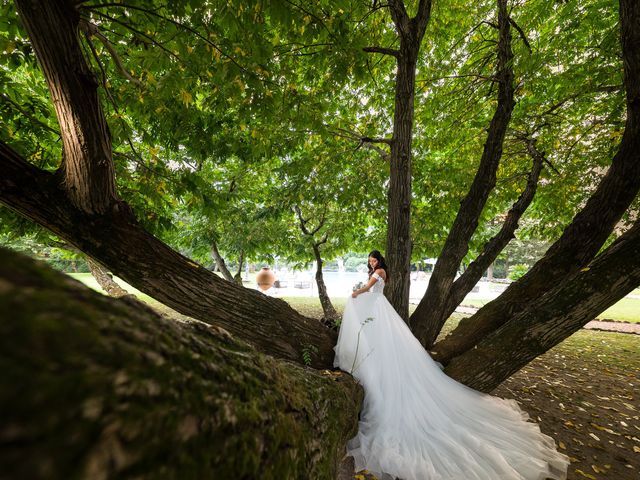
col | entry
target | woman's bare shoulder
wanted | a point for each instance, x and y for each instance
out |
(382, 273)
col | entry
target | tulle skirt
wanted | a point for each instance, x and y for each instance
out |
(419, 424)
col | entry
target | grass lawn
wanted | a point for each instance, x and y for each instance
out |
(626, 310)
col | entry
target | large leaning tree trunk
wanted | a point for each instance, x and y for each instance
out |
(152, 267)
(586, 234)
(101, 388)
(398, 253)
(554, 316)
(83, 208)
(434, 308)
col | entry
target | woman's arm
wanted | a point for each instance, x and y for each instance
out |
(372, 281)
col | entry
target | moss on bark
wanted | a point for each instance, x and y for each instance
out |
(95, 387)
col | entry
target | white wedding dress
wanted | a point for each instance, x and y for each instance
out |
(419, 424)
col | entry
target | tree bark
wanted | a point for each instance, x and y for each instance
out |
(102, 388)
(87, 165)
(553, 317)
(330, 314)
(238, 276)
(590, 228)
(399, 246)
(434, 308)
(105, 279)
(220, 263)
(152, 267)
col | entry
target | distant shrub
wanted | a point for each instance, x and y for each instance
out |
(518, 270)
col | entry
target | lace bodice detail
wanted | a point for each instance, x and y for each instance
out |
(377, 287)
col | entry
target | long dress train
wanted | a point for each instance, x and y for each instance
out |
(419, 424)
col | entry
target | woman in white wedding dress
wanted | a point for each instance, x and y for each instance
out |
(416, 422)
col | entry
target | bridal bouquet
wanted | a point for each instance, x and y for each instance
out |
(358, 286)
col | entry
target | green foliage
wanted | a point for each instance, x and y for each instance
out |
(233, 113)
(517, 271)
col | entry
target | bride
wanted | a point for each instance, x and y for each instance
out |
(416, 422)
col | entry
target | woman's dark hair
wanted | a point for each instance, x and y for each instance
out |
(381, 263)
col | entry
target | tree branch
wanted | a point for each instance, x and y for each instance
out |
(463, 284)
(522, 35)
(152, 267)
(563, 309)
(385, 51)
(429, 317)
(29, 115)
(584, 236)
(363, 140)
(92, 31)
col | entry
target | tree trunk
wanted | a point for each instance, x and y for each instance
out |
(220, 263)
(553, 317)
(435, 307)
(152, 267)
(238, 276)
(590, 228)
(398, 254)
(330, 314)
(105, 279)
(101, 388)
(87, 166)
(399, 246)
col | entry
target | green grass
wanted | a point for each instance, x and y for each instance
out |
(91, 282)
(626, 310)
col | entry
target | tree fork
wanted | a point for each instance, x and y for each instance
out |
(463, 285)
(431, 313)
(87, 165)
(590, 228)
(556, 315)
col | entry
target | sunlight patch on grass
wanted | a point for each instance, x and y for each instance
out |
(626, 310)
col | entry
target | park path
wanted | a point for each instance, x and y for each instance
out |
(606, 326)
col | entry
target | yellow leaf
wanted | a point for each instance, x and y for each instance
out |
(562, 445)
(187, 98)
(587, 475)
(636, 449)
